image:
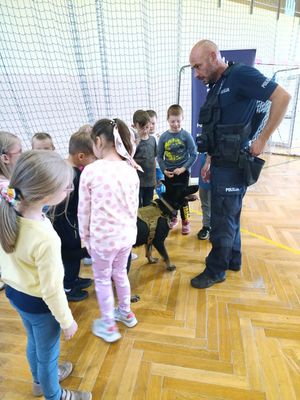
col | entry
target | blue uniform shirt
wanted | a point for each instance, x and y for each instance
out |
(239, 94)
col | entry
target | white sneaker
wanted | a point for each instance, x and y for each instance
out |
(64, 370)
(129, 320)
(75, 395)
(134, 256)
(109, 333)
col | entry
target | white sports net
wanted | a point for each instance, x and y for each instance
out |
(68, 62)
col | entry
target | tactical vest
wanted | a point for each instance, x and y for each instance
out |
(224, 142)
(150, 215)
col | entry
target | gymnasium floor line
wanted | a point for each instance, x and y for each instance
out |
(262, 238)
(295, 158)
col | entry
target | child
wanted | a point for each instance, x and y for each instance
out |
(42, 141)
(153, 121)
(176, 154)
(159, 187)
(65, 219)
(107, 213)
(32, 267)
(88, 129)
(10, 150)
(205, 199)
(145, 154)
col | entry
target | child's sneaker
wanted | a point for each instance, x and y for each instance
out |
(129, 320)
(75, 395)
(76, 294)
(204, 232)
(109, 333)
(64, 370)
(186, 227)
(83, 283)
(173, 223)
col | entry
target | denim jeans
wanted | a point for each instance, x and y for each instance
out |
(43, 347)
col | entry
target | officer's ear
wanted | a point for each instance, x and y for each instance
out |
(213, 56)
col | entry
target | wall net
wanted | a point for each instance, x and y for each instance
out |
(68, 62)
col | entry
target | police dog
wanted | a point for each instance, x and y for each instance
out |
(153, 221)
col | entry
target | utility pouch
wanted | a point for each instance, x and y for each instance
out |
(209, 113)
(252, 167)
(229, 147)
(205, 115)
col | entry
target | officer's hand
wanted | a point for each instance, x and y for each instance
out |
(257, 146)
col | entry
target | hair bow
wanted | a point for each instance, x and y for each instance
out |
(121, 150)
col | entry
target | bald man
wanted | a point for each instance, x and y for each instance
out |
(229, 122)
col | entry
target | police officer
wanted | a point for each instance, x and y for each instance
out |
(228, 120)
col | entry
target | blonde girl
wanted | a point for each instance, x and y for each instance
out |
(31, 265)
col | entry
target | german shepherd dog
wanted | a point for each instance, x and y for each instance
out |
(154, 230)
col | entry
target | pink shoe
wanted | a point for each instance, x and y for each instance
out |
(173, 223)
(186, 227)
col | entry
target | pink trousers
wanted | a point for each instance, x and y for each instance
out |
(108, 266)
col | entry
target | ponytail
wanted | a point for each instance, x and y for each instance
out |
(125, 135)
(9, 226)
(36, 175)
(106, 126)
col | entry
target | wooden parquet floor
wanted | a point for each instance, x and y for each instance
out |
(238, 340)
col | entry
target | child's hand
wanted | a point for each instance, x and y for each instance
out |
(179, 171)
(70, 332)
(169, 174)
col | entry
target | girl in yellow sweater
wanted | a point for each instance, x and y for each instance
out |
(32, 268)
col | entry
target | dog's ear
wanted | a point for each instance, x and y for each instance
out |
(168, 186)
(191, 189)
(175, 194)
(182, 193)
